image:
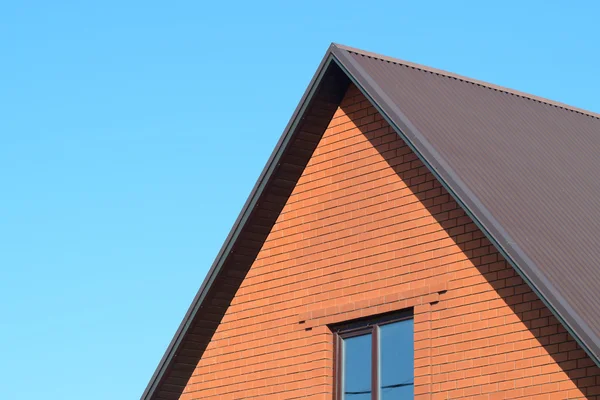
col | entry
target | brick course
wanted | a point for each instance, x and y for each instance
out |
(368, 229)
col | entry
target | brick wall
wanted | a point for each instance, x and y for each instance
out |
(369, 230)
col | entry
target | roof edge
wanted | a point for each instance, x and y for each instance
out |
(167, 359)
(470, 80)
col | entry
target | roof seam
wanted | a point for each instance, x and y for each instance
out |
(476, 84)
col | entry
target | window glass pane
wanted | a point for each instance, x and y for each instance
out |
(357, 368)
(396, 362)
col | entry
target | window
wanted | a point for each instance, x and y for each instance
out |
(374, 358)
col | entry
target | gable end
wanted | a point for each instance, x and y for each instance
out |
(274, 186)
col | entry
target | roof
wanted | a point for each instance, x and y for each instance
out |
(524, 168)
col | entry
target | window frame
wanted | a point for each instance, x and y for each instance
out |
(360, 327)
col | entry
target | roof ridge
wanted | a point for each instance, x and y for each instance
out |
(472, 81)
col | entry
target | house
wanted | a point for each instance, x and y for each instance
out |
(415, 234)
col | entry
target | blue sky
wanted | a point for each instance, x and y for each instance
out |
(132, 132)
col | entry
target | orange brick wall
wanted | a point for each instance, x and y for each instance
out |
(368, 230)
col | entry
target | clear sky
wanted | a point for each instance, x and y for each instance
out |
(131, 133)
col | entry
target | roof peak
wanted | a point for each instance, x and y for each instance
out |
(466, 79)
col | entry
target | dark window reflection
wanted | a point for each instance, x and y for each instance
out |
(396, 349)
(357, 368)
(377, 358)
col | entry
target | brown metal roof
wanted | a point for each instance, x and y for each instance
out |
(523, 167)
